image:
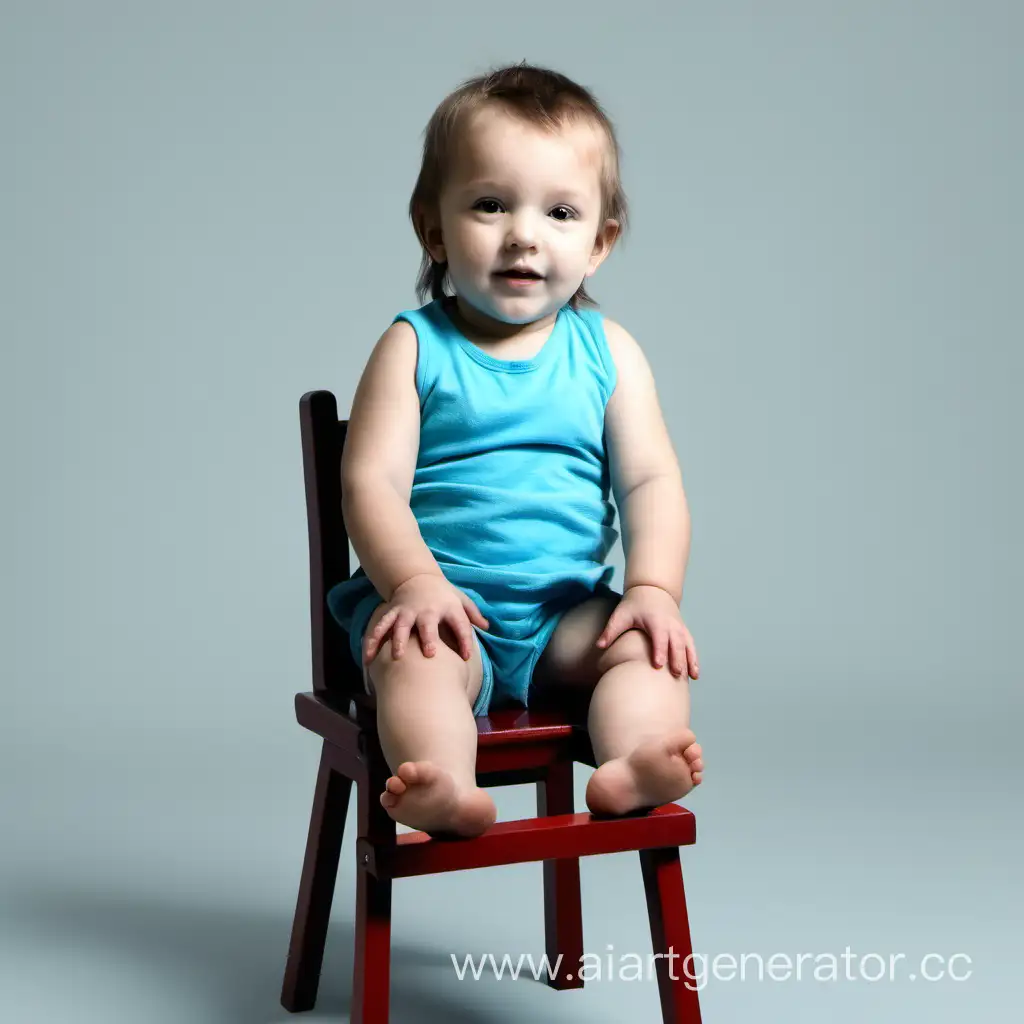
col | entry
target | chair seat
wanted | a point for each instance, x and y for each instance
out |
(514, 745)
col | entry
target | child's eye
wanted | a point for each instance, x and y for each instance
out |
(487, 206)
(563, 213)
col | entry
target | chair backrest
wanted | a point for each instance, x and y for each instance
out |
(323, 440)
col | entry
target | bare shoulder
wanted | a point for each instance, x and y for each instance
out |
(625, 349)
(639, 446)
(384, 424)
(389, 376)
(396, 345)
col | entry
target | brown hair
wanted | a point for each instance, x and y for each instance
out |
(541, 97)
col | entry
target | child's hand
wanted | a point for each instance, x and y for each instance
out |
(655, 611)
(422, 603)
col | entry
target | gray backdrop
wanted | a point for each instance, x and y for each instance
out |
(204, 217)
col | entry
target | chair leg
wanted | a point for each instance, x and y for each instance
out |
(371, 985)
(563, 915)
(316, 888)
(371, 982)
(670, 932)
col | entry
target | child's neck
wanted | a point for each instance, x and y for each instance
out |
(479, 327)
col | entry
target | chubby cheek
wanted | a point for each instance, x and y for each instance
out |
(471, 248)
(571, 255)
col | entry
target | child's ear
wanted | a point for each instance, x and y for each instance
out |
(428, 227)
(603, 244)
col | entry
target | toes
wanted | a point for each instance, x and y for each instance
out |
(679, 744)
(395, 785)
(419, 773)
(427, 773)
(692, 754)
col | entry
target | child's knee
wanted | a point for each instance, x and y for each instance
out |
(634, 645)
(435, 673)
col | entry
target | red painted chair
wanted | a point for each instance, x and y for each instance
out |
(515, 747)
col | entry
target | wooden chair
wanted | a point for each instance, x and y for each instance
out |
(515, 747)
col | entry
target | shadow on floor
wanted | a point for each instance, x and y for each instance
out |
(237, 957)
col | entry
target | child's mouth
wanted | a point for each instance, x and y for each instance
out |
(519, 277)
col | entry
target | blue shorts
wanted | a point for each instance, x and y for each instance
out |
(509, 648)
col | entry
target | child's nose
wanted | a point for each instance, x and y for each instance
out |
(522, 231)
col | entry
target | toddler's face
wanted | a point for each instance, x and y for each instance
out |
(520, 198)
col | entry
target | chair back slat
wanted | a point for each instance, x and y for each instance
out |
(323, 441)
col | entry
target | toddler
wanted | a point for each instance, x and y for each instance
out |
(488, 433)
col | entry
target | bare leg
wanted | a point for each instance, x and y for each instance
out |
(639, 727)
(428, 735)
(639, 715)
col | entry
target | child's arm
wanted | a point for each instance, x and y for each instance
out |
(379, 463)
(646, 479)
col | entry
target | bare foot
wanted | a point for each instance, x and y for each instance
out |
(425, 797)
(657, 772)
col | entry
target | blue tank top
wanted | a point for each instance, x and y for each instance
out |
(512, 485)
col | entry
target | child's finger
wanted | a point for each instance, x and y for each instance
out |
(610, 632)
(677, 655)
(384, 624)
(372, 640)
(474, 613)
(429, 639)
(659, 640)
(464, 631)
(400, 634)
